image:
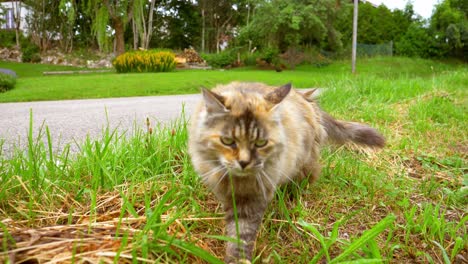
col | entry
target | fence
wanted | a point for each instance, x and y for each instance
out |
(372, 50)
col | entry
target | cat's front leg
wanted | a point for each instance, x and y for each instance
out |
(249, 217)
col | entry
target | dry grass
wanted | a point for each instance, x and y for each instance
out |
(138, 199)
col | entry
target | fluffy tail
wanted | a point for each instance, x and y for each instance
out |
(341, 132)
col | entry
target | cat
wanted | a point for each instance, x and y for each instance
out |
(246, 139)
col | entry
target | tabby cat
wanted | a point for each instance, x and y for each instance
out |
(246, 139)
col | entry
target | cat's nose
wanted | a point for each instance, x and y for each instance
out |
(244, 163)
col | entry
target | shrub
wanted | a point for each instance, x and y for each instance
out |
(145, 61)
(30, 52)
(220, 60)
(7, 38)
(270, 55)
(250, 59)
(7, 82)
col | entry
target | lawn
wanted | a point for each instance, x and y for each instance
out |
(32, 86)
(135, 198)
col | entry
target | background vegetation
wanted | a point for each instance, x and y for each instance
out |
(244, 25)
(145, 61)
(134, 197)
(34, 86)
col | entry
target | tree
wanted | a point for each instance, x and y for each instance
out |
(418, 42)
(142, 23)
(450, 27)
(113, 13)
(16, 6)
(376, 25)
(43, 22)
(181, 23)
(283, 23)
(218, 18)
(67, 11)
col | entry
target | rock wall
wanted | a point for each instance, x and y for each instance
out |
(56, 57)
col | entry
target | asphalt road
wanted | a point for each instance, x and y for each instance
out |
(71, 120)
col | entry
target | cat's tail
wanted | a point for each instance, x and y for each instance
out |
(341, 132)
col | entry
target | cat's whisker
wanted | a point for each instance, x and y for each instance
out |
(220, 179)
(236, 146)
(212, 171)
(207, 161)
(261, 184)
(268, 179)
(289, 178)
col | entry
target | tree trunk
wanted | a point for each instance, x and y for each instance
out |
(150, 25)
(143, 34)
(135, 34)
(17, 19)
(203, 31)
(119, 36)
(355, 27)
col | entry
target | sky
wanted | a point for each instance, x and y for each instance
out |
(421, 7)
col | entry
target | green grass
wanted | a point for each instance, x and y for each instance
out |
(32, 86)
(32, 70)
(136, 196)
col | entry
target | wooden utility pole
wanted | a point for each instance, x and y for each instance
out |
(355, 21)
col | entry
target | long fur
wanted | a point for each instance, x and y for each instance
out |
(246, 139)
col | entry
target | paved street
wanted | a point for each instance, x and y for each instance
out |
(73, 119)
(70, 121)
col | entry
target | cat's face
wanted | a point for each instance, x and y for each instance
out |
(242, 133)
(243, 143)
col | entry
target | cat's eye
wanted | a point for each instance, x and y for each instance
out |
(261, 143)
(227, 141)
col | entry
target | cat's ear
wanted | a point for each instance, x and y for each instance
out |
(309, 95)
(278, 94)
(214, 102)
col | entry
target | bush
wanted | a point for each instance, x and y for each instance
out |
(220, 60)
(30, 52)
(7, 38)
(145, 61)
(7, 82)
(250, 59)
(270, 55)
(417, 42)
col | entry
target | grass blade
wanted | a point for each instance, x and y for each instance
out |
(444, 252)
(192, 249)
(366, 237)
(320, 238)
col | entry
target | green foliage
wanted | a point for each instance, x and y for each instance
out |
(43, 22)
(100, 29)
(282, 23)
(250, 59)
(145, 61)
(270, 55)
(7, 82)
(31, 52)
(147, 177)
(220, 60)
(35, 86)
(450, 25)
(7, 38)
(183, 26)
(144, 182)
(67, 12)
(417, 42)
(375, 25)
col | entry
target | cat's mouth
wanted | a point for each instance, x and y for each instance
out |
(241, 172)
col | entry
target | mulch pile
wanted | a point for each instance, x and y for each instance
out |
(192, 56)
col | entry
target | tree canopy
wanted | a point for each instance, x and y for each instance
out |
(208, 25)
